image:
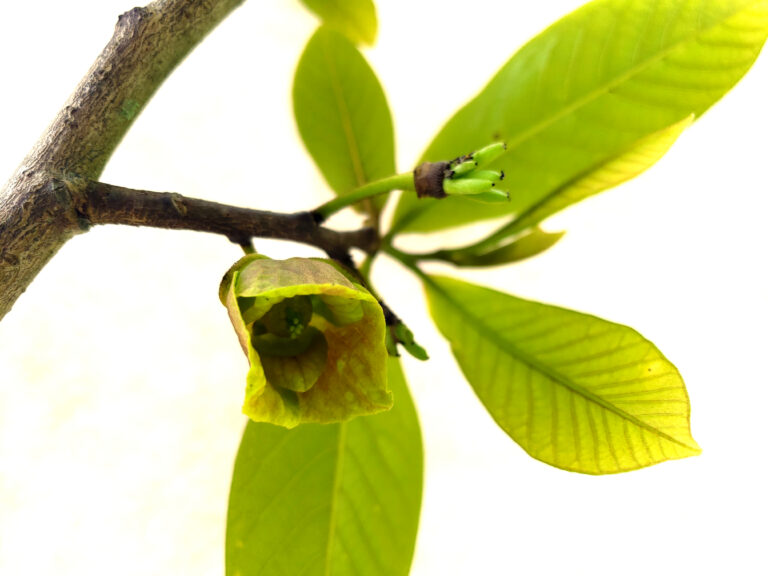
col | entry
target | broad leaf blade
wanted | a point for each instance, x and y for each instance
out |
(617, 170)
(342, 113)
(532, 243)
(624, 166)
(356, 19)
(589, 87)
(336, 499)
(574, 391)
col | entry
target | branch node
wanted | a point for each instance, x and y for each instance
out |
(70, 193)
(317, 217)
(177, 201)
(371, 240)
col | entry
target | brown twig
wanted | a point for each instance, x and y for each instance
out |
(100, 203)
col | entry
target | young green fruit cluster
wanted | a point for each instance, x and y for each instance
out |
(464, 176)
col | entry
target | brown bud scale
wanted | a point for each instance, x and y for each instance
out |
(428, 179)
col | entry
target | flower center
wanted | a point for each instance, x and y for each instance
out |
(288, 318)
(293, 354)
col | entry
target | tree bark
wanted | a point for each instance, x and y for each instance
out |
(38, 211)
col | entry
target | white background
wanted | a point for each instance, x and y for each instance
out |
(121, 379)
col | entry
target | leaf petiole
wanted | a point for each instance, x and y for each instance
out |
(377, 187)
(408, 260)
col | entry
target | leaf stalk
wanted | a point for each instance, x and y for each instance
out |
(376, 188)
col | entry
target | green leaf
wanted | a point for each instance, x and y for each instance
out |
(590, 87)
(335, 499)
(574, 391)
(496, 248)
(532, 243)
(356, 19)
(342, 114)
(621, 168)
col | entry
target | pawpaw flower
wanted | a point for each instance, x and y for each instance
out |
(314, 339)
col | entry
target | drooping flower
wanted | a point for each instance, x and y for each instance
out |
(314, 339)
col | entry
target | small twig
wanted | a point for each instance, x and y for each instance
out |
(100, 203)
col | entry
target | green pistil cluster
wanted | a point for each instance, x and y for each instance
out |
(284, 333)
(464, 176)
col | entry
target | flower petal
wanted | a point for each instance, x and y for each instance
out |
(327, 367)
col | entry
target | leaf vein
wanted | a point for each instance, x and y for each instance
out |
(335, 491)
(482, 329)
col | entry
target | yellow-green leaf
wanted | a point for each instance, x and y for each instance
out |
(342, 114)
(532, 243)
(328, 500)
(614, 171)
(574, 391)
(624, 166)
(356, 19)
(590, 87)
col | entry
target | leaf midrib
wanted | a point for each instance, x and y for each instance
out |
(555, 376)
(335, 491)
(417, 210)
(346, 122)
